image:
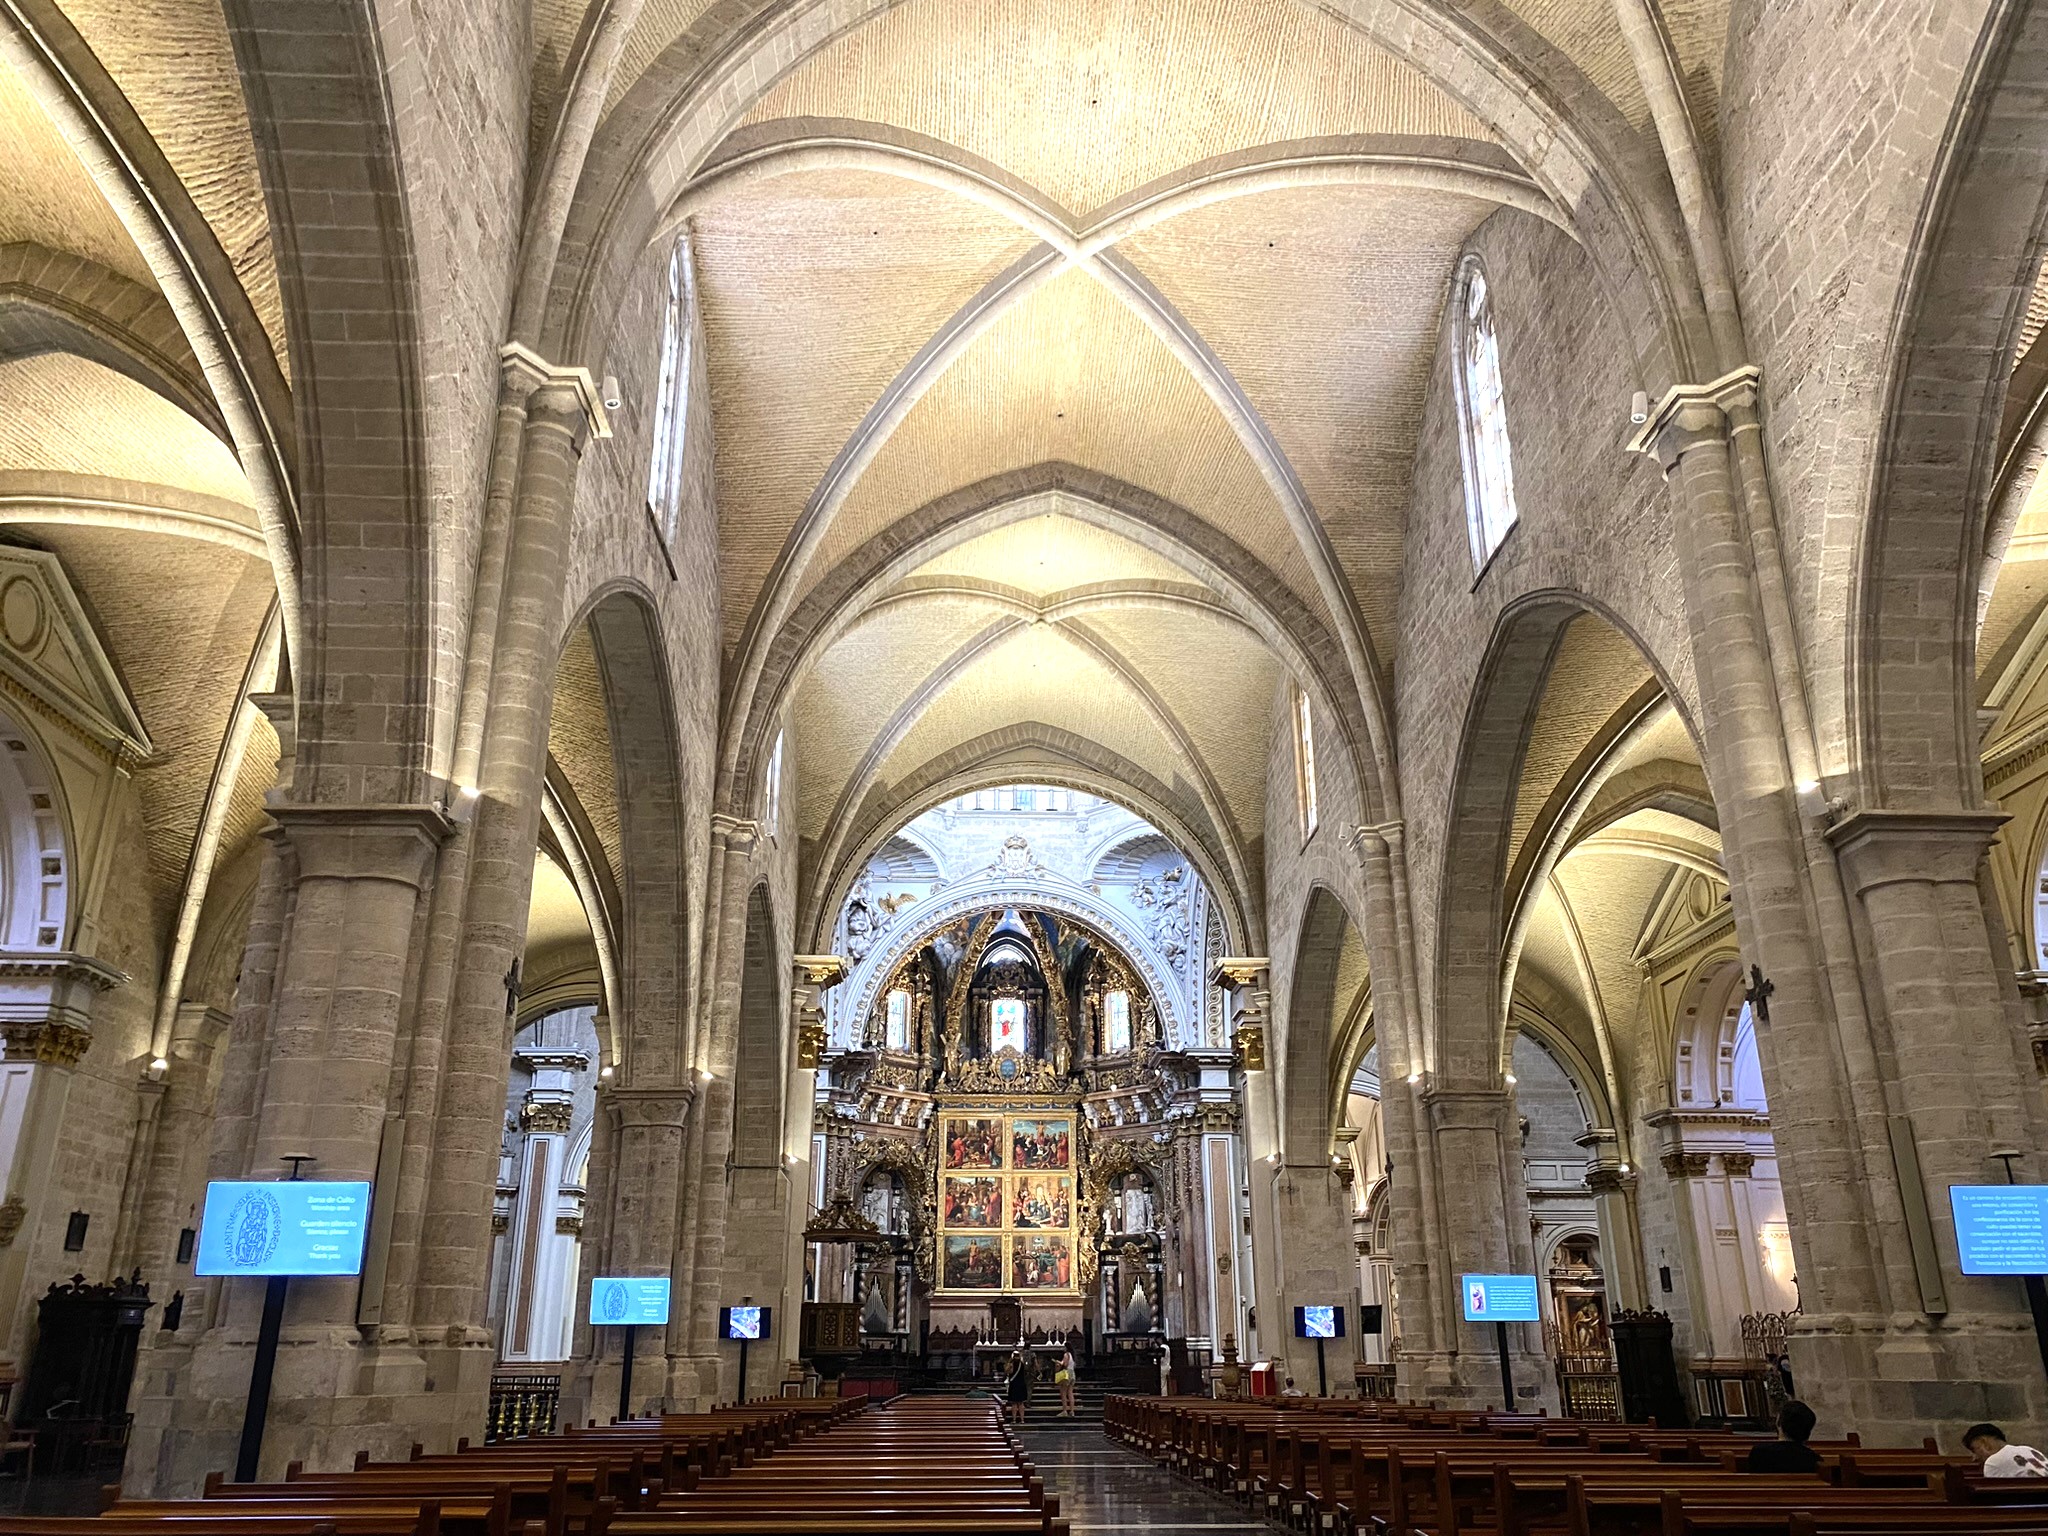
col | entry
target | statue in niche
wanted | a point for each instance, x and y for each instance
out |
(1137, 1204)
(875, 1206)
(1062, 1054)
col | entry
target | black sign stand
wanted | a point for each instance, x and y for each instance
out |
(742, 1400)
(626, 1374)
(1507, 1375)
(1322, 1379)
(258, 1406)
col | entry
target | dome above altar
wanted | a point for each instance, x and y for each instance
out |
(1072, 855)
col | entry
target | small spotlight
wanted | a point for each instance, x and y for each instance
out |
(705, 1074)
(159, 1065)
(1624, 1167)
(1415, 1077)
(1807, 786)
(604, 1072)
(1512, 1079)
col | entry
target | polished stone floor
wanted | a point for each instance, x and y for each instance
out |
(1103, 1487)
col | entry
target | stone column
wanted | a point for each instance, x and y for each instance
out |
(1827, 1102)
(46, 1020)
(324, 1082)
(163, 1369)
(1960, 1090)
(1477, 1153)
(651, 1140)
(1423, 1286)
(448, 1293)
(1613, 1185)
(182, 1122)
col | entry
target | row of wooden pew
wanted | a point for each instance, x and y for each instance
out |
(913, 1468)
(1348, 1466)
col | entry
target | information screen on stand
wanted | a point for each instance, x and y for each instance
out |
(1501, 1299)
(2001, 1229)
(283, 1227)
(626, 1301)
(745, 1322)
(1319, 1322)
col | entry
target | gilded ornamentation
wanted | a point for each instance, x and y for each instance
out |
(569, 1226)
(1250, 1044)
(542, 1117)
(50, 1042)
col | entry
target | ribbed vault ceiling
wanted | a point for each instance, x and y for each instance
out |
(1196, 248)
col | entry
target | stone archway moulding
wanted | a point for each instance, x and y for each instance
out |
(847, 852)
(1000, 889)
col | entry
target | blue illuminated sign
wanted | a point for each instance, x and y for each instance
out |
(743, 1323)
(626, 1301)
(2001, 1229)
(308, 1227)
(1501, 1299)
(1318, 1322)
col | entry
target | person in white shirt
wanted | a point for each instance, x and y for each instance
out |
(1987, 1443)
(1291, 1390)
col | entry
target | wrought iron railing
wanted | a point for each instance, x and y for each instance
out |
(523, 1405)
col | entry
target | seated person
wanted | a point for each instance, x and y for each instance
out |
(1986, 1442)
(1789, 1452)
(1291, 1390)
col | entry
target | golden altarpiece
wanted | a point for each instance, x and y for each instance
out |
(1026, 1150)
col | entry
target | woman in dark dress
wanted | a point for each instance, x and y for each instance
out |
(1018, 1390)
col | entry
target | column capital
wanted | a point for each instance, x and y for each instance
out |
(526, 374)
(1738, 1164)
(364, 841)
(652, 1108)
(1685, 1165)
(1237, 970)
(1695, 415)
(1890, 847)
(1608, 1179)
(1375, 842)
(738, 834)
(47, 1042)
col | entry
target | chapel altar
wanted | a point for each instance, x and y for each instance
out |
(1008, 1110)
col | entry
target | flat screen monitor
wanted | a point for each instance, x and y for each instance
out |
(2001, 1229)
(279, 1227)
(745, 1322)
(1500, 1299)
(627, 1301)
(1319, 1322)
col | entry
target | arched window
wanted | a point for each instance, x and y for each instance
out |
(665, 458)
(1116, 1023)
(897, 1037)
(1305, 764)
(771, 799)
(1482, 415)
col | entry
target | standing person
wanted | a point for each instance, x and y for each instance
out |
(1018, 1389)
(1789, 1452)
(1063, 1377)
(1987, 1443)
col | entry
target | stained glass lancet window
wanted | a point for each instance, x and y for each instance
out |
(665, 459)
(1482, 416)
(1305, 763)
